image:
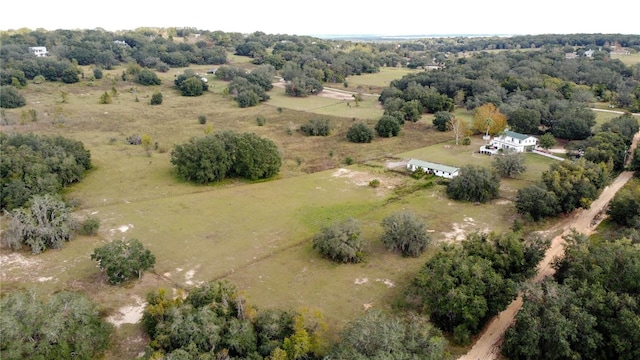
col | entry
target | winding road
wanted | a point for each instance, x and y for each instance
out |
(487, 346)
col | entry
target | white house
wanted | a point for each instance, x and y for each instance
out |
(38, 51)
(510, 140)
(444, 171)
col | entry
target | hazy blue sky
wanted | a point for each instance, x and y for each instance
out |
(328, 16)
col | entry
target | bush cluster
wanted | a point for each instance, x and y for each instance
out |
(316, 127)
(360, 133)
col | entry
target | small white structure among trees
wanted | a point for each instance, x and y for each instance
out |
(444, 171)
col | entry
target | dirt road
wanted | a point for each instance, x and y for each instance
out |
(487, 347)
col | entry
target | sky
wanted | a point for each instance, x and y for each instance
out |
(327, 17)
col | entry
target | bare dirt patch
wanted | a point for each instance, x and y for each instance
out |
(363, 178)
(16, 263)
(129, 314)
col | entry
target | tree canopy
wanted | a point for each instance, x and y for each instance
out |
(220, 155)
(474, 183)
(340, 241)
(123, 260)
(33, 164)
(66, 325)
(405, 232)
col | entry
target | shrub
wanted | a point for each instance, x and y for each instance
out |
(89, 226)
(10, 98)
(348, 160)
(156, 98)
(340, 242)
(46, 224)
(134, 140)
(466, 141)
(405, 232)
(261, 120)
(360, 133)
(105, 98)
(97, 73)
(374, 183)
(316, 127)
(39, 79)
(202, 119)
(148, 77)
(123, 261)
(387, 126)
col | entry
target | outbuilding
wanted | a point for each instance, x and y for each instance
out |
(448, 172)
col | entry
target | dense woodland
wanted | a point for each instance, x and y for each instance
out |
(590, 309)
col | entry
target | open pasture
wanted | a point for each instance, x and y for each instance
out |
(256, 234)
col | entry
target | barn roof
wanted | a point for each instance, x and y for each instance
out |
(433, 166)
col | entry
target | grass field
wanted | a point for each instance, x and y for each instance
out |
(630, 59)
(257, 235)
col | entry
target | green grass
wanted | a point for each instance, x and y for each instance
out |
(383, 78)
(630, 59)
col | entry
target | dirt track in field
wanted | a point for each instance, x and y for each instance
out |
(487, 346)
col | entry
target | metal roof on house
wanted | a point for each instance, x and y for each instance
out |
(434, 166)
(516, 135)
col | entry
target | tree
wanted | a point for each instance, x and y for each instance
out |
(360, 133)
(474, 183)
(547, 141)
(387, 126)
(70, 75)
(123, 260)
(523, 120)
(377, 335)
(442, 120)
(405, 232)
(460, 292)
(193, 86)
(624, 209)
(459, 127)
(65, 326)
(573, 123)
(217, 156)
(46, 224)
(625, 125)
(537, 202)
(340, 241)
(303, 86)
(10, 97)
(37, 165)
(606, 147)
(575, 184)
(509, 165)
(487, 119)
(550, 326)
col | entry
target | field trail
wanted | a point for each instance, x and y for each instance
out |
(487, 346)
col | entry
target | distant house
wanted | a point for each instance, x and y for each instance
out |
(444, 171)
(120, 42)
(510, 140)
(39, 51)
